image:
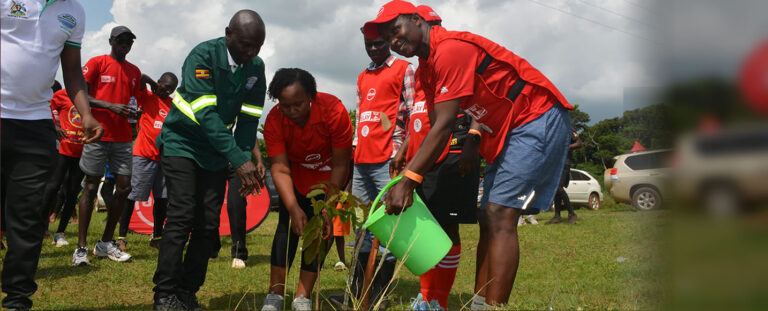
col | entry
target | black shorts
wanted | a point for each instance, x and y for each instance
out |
(452, 199)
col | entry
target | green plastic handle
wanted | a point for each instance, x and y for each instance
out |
(383, 191)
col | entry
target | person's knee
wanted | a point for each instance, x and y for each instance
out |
(91, 185)
(502, 219)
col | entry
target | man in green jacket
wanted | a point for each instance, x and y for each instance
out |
(214, 118)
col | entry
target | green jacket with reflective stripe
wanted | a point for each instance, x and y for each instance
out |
(208, 103)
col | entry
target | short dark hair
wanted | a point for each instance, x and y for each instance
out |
(169, 76)
(287, 76)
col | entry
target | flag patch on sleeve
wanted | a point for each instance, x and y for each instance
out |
(202, 73)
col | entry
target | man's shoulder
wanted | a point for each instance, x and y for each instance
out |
(72, 7)
(135, 69)
(206, 47)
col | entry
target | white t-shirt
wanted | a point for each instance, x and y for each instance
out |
(34, 32)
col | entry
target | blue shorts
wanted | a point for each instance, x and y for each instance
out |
(526, 173)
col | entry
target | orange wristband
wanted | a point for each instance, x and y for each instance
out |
(413, 176)
(476, 132)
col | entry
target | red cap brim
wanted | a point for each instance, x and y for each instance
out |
(388, 12)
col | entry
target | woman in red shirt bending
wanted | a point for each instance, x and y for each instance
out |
(309, 141)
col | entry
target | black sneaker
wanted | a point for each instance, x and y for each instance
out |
(572, 219)
(168, 303)
(189, 299)
(555, 220)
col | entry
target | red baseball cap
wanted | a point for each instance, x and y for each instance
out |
(427, 13)
(388, 12)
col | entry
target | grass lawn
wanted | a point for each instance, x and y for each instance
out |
(608, 260)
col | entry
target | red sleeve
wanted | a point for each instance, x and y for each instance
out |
(340, 127)
(143, 97)
(455, 63)
(91, 72)
(273, 136)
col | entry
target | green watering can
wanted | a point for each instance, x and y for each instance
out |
(417, 236)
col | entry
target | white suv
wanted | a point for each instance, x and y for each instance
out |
(639, 178)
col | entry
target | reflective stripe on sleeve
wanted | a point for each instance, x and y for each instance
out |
(202, 102)
(251, 110)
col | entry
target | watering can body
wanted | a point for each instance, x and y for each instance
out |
(413, 236)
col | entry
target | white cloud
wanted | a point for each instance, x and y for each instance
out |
(582, 58)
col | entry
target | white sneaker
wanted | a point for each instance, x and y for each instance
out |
(520, 221)
(478, 303)
(59, 240)
(238, 263)
(110, 250)
(302, 304)
(273, 302)
(531, 219)
(80, 257)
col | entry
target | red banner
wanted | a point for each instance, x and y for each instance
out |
(256, 211)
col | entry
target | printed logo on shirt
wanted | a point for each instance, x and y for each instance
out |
(158, 124)
(417, 125)
(370, 116)
(163, 113)
(312, 157)
(419, 107)
(251, 82)
(67, 22)
(133, 82)
(108, 79)
(85, 69)
(477, 112)
(364, 131)
(74, 118)
(202, 73)
(18, 9)
(443, 90)
(371, 94)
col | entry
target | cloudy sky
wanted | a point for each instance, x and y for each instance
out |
(591, 49)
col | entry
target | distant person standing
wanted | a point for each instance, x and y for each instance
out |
(67, 172)
(112, 82)
(222, 80)
(562, 201)
(146, 174)
(34, 36)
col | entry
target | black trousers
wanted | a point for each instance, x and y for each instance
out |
(194, 196)
(285, 240)
(28, 158)
(67, 174)
(236, 211)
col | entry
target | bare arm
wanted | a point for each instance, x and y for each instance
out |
(401, 195)
(281, 174)
(75, 85)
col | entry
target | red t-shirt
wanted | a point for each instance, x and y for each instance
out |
(114, 82)
(449, 73)
(150, 124)
(71, 122)
(309, 149)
